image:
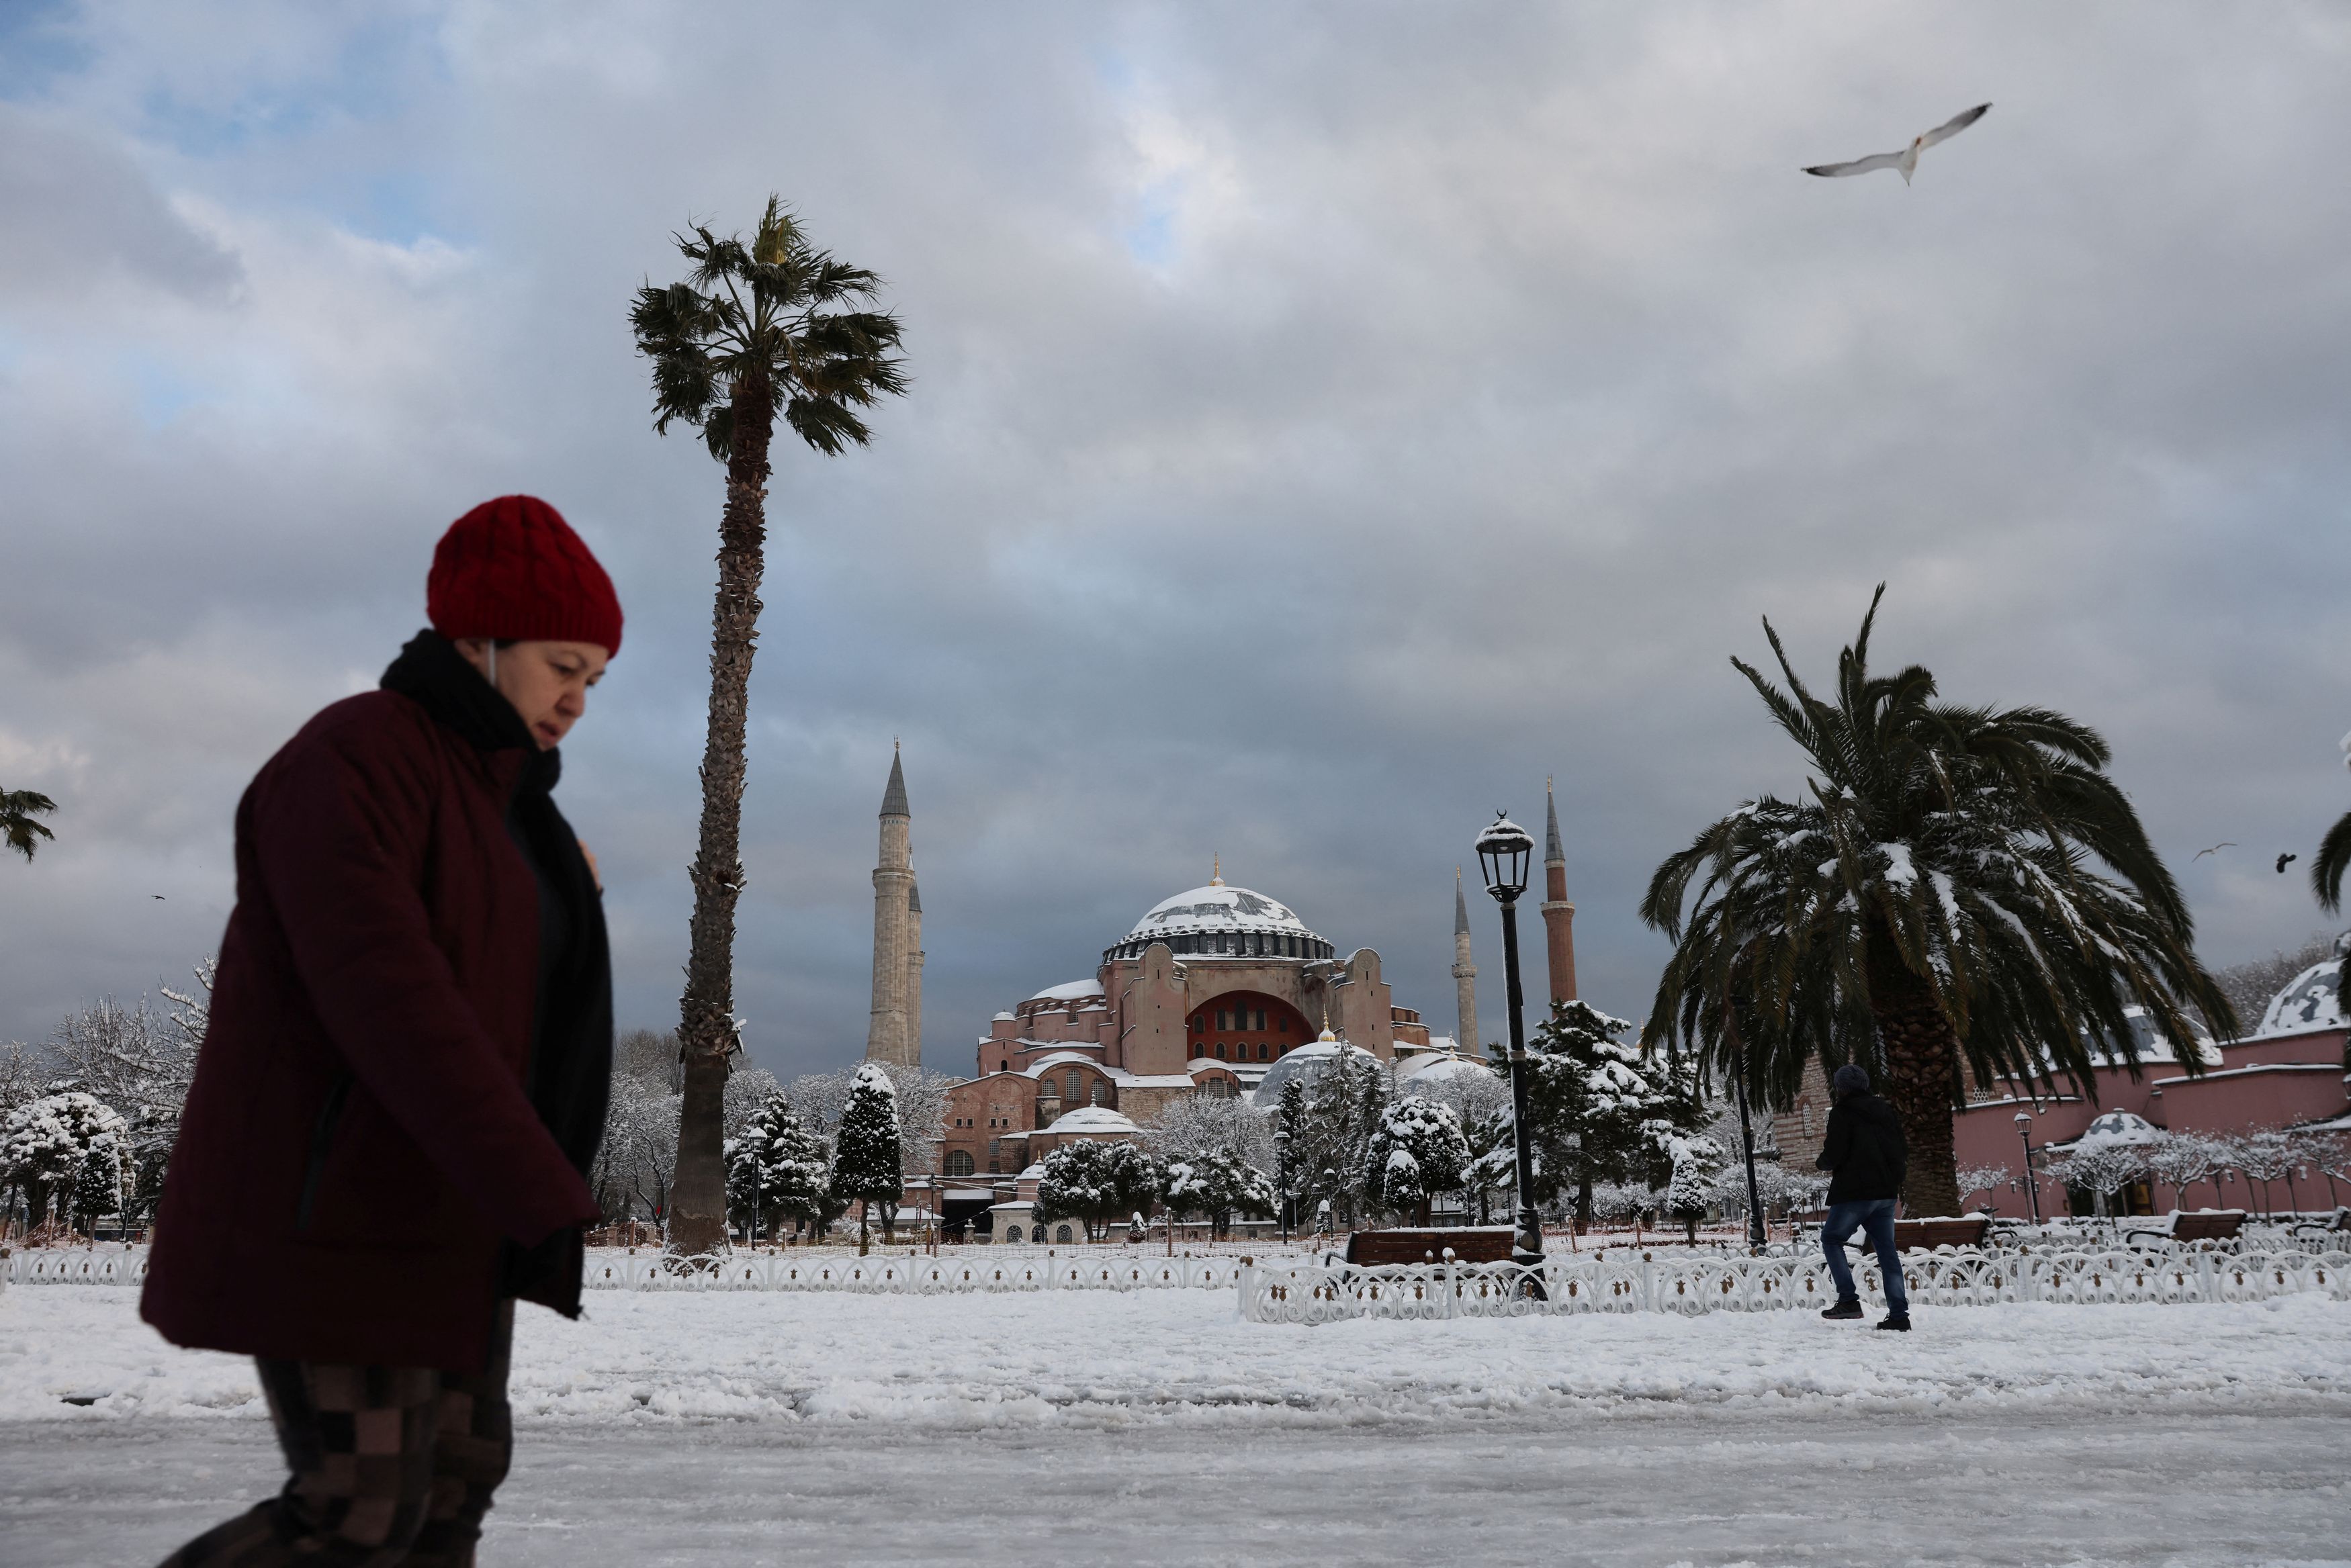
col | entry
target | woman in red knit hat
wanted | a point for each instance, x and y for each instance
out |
(402, 1086)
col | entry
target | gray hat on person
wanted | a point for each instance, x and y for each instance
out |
(1849, 1079)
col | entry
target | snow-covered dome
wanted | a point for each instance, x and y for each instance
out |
(2121, 1126)
(2153, 1045)
(1095, 1121)
(1219, 919)
(1070, 990)
(1306, 1063)
(2310, 1002)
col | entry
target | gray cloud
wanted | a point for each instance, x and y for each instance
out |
(1325, 426)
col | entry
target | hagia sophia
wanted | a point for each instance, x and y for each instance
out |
(1203, 995)
(1215, 986)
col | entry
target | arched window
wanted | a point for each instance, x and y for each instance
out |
(1062, 1234)
(1220, 1050)
(1012, 1232)
(959, 1162)
(1070, 1082)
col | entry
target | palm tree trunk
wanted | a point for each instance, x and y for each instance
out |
(1922, 1063)
(707, 1025)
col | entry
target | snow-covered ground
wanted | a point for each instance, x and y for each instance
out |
(1156, 1427)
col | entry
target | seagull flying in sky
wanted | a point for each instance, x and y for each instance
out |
(1905, 163)
(2286, 861)
(2224, 844)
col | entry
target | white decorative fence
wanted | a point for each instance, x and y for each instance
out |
(650, 1271)
(1314, 1291)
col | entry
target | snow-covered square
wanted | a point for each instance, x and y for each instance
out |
(1156, 1427)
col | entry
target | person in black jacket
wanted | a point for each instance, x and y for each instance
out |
(1865, 1154)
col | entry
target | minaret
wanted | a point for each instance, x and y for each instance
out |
(1559, 915)
(894, 886)
(1465, 973)
(913, 974)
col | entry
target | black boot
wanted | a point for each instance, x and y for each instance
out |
(1898, 1321)
(1847, 1309)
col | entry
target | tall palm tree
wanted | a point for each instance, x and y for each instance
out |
(18, 831)
(755, 329)
(1958, 885)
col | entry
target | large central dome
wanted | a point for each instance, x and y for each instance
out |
(1220, 922)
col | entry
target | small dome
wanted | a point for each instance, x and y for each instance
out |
(1099, 1121)
(1305, 1064)
(1206, 923)
(2121, 1126)
(2311, 1002)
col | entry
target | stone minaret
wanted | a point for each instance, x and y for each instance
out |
(1559, 915)
(1465, 973)
(894, 887)
(913, 974)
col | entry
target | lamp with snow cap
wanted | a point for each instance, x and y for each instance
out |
(1502, 852)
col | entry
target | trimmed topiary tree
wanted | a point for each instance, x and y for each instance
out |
(868, 1163)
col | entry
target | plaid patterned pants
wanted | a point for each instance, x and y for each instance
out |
(391, 1465)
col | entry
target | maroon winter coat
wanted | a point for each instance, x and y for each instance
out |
(361, 1165)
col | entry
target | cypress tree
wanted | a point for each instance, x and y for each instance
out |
(868, 1163)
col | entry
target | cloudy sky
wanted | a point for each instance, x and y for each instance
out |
(1326, 422)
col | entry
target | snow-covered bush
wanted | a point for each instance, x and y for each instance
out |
(1416, 1151)
(1220, 1185)
(1983, 1178)
(868, 1158)
(1094, 1182)
(63, 1150)
(1695, 1160)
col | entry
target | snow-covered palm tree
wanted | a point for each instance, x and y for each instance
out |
(1958, 886)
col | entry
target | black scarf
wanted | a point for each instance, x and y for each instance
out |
(572, 1037)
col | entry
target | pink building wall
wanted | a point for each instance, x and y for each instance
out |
(2274, 1081)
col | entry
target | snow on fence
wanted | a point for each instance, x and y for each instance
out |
(1311, 1291)
(877, 1274)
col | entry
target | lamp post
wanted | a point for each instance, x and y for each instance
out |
(2032, 1188)
(1502, 852)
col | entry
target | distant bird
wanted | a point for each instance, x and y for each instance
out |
(155, 895)
(1905, 163)
(2224, 844)
(2284, 860)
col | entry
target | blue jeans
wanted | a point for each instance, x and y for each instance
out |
(1875, 1217)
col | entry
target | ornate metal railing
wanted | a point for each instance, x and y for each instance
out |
(1325, 1293)
(651, 1270)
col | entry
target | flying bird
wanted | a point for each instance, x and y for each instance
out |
(1905, 163)
(2224, 844)
(2284, 860)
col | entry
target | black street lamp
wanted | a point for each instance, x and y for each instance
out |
(1502, 852)
(2032, 1188)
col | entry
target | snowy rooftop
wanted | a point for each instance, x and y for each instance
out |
(1217, 908)
(2309, 1003)
(1071, 991)
(2120, 1126)
(1098, 1119)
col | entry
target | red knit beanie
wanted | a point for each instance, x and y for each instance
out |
(512, 568)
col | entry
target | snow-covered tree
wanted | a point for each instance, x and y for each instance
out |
(46, 1150)
(1416, 1152)
(1695, 1161)
(1289, 1146)
(1597, 1109)
(2181, 1159)
(868, 1158)
(1095, 1182)
(822, 1098)
(1984, 1178)
(1192, 1125)
(639, 1152)
(1344, 1100)
(778, 1170)
(1220, 1185)
(2101, 1168)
